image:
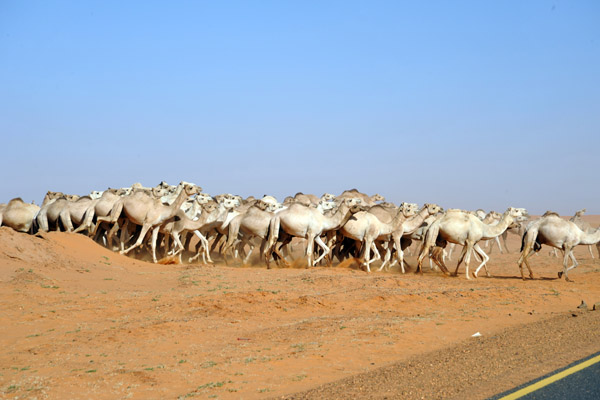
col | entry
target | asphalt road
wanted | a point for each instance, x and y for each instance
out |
(582, 384)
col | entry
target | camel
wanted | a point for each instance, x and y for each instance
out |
(367, 201)
(148, 212)
(217, 228)
(255, 224)
(181, 223)
(408, 227)
(463, 228)
(584, 226)
(100, 208)
(51, 208)
(554, 231)
(366, 228)
(308, 223)
(19, 215)
(252, 223)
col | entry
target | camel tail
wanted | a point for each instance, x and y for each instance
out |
(537, 246)
(523, 241)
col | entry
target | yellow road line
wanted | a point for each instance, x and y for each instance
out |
(551, 379)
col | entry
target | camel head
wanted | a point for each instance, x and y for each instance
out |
(352, 201)
(191, 190)
(209, 206)
(328, 197)
(54, 195)
(158, 193)
(377, 197)
(479, 213)
(357, 208)
(580, 212)
(203, 198)
(163, 185)
(433, 208)
(515, 212)
(230, 203)
(123, 192)
(327, 204)
(71, 197)
(407, 209)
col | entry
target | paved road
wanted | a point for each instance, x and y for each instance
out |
(578, 381)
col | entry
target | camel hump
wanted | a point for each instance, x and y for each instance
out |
(549, 213)
(16, 200)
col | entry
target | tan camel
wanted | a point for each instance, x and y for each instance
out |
(365, 228)
(554, 231)
(19, 215)
(409, 227)
(309, 223)
(584, 226)
(181, 223)
(53, 204)
(463, 228)
(148, 212)
(254, 223)
(368, 201)
(100, 208)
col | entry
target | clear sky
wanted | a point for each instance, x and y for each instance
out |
(468, 104)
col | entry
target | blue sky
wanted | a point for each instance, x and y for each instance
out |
(469, 104)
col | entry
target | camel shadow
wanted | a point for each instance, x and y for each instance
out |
(517, 277)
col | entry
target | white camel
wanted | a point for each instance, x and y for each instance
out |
(463, 228)
(309, 223)
(554, 231)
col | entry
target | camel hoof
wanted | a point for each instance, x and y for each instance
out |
(474, 275)
(568, 279)
(560, 274)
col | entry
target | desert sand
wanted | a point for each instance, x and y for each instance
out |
(79, 321)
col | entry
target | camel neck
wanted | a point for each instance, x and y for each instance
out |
(491, 231)
(414, 222)
(341, 216)
(590, 238)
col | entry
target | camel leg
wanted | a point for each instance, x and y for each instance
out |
(568, 253)
(177, 245)
(591, 252)
(310, 246)
(435, 256)
(65, 218)
(386, 257)
(251, 249)
(504, 236)
(469, 247)
(490, 246)
(155, 231)
(397, 240)
(138, 242)
(326, 250)
(202, 244)
(376, 254)
(450, 251)
(425, 248)
(485, 259)
(460, 259)
(497, 240)
(525, 254)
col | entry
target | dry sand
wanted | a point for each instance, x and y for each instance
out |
(79, 321)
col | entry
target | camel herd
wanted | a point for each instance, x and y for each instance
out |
(166, 218)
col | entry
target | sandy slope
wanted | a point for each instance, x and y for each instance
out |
(76, 318)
